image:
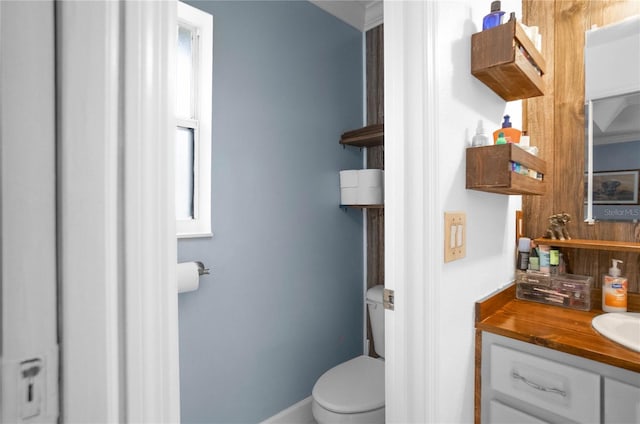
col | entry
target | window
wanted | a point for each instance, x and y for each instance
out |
(193, 122)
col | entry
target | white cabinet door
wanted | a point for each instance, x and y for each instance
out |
(569, 392)
(502, 414)
(621, 402)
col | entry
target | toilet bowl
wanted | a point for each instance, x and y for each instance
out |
(353, 392)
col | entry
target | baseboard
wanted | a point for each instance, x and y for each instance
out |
(299, 413)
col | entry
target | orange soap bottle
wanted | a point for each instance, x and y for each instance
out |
(614, 290)
(511, 134)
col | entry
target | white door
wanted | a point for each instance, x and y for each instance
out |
(29, 341)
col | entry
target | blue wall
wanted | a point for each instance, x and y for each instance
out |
(284, 301)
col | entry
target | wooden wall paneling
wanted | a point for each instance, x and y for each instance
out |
(538, 117)
(375, 75)
(374, 41)
(556, 125)
(375, 155)
(568, 148)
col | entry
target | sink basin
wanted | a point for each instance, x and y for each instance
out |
(621, 327)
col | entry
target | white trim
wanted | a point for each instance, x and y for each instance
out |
(200, 225)
(299, 413)
(432, 254)
(118, 247)
(365, 215)
(589, 219)
(374, 15)
(362, 15)
(88, 210)
(395, 371)
(412, 202)
(150, 292)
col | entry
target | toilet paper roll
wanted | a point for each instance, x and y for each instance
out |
(349, 195)
(370, 196)
(349, 178)
(187, 276)
(370, 178)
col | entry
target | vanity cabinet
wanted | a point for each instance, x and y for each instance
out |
(621, 402)
(526, 383)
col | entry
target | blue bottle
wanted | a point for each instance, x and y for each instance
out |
(494, 18)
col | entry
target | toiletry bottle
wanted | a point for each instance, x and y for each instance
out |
(614, 290)
(511, 134)
(494, 18)
(481, 138)
(534, 260)
(545, 259)
(562, 266)
(524, 246)
(524, 139)
(554, 261)
(501, 139)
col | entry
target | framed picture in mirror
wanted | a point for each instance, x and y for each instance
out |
(616, 187)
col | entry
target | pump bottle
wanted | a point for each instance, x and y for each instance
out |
(512, 135)
(614, 289)
(480, 139)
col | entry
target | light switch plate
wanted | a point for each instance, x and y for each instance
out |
(455, 235)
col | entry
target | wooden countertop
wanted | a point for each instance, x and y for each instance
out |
(562, 329)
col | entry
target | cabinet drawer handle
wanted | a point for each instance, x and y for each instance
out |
(536, 386)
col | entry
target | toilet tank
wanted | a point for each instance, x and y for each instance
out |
(376, 315)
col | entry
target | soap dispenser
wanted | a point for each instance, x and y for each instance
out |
(614, 289)
(511, 134)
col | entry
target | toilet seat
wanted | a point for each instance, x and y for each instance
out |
(352, 387)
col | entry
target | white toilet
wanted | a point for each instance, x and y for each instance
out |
(353, 392)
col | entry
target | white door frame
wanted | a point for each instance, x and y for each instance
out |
(411, 211)
(116, 222)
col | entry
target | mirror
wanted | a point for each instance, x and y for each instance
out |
(615, 158)
(612, 117)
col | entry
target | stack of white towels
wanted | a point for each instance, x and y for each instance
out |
(362, 187)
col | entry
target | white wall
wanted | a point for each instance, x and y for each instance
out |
(282, 265)
(489, 261)
(427, 53)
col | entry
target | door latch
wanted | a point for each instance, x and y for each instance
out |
(388, 297)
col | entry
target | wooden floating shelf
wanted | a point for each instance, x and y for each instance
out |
(488, 169)
(506, 60)
(369, 136)
(608, 245)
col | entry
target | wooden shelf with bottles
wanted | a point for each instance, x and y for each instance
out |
(607, 245)
(369, 136)
(488, 169)
(506, 60)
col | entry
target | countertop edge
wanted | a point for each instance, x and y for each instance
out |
(491, 310)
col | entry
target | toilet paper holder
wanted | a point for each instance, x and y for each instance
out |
(202, 270)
